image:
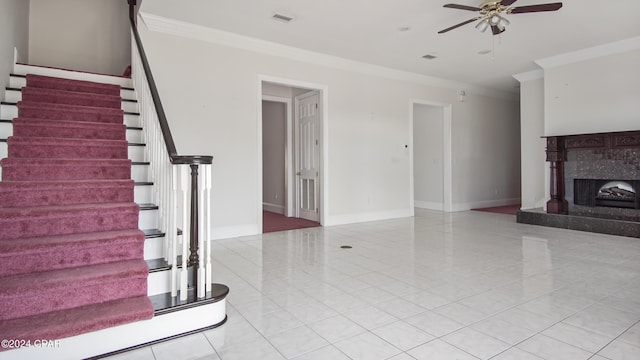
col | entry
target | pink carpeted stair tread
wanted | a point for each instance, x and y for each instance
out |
(64, 169)
(45, 147)
(48, 82)
(63, 324)
(70, 219)
(55, 96)
(24, 255)
(47, 193)
(38, 110)
(67, 288)
(68, 129)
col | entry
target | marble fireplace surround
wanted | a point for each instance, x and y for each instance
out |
(602, 156)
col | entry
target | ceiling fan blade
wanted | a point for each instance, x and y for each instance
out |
(507, 2)
(536, 8)
(461, 7)
(496, 30)
(457, 25)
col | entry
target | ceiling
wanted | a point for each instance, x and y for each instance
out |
(369, 31)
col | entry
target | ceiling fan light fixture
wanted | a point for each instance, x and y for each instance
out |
(494, 19)
(482, 25)
(503, 23)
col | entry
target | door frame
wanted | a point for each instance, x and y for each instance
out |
(447, 168)
(323, 90)
(288, 159)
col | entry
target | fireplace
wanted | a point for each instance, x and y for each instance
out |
(594, 184)
(608, 193)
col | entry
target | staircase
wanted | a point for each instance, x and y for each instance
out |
(76, 189)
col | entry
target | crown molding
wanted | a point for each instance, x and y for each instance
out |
(202, 33)
(529, 75)
(616, 47)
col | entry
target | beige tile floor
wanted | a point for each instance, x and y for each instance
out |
(467, 285)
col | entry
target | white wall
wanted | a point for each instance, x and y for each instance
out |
(486, 153)
(600, 94)
(368, 126)
(80, 35)
(428, 156)
(533, 145)
(274, 127)
(14, 34)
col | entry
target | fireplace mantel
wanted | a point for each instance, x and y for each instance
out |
(559, 146)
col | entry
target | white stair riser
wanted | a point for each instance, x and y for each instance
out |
(136, 153)
(143, 194)
(20, 69)
(134, 135)
(140, 173)
(148, 219)
(132, 120)
(8, 112)
(153, 248)
(3, 150)
(6, 130)
(12, 96)
(159, 282)
(17, 82)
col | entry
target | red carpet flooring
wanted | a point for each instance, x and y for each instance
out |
(508, 210)
(272, 222)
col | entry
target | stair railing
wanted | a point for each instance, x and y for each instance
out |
(182, 188)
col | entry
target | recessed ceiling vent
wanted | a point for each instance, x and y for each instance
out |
(282, 18)
(429, 57)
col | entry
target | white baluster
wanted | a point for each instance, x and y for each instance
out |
(208, 236)
(184, 185)
(172, 232)
(201, 237)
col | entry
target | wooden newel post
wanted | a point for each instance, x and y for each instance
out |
(193, 256)
(556, 155)
(132, 9)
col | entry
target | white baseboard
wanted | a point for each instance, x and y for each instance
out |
(275, 208)
(227, 232)
(429, 205)
(364, 217)
(484, 204)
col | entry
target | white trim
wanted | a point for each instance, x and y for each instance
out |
(124, 336)
(369, 216)
(227, 232)
(22, 69)
(429, 205)
(529, 75)
(288, 165)
(179, 28)
(616, 47)
(274, 208)
(485, 204)
(447, 165)
(324, 139)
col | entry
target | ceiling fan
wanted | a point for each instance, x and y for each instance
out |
(492, 13)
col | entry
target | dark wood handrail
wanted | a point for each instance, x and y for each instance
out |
(155, 96)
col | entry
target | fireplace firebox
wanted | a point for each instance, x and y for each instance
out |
(605, 192)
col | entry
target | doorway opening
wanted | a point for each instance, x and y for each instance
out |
(291, 156)
(431, 173)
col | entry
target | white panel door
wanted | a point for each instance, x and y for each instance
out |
(308, 155)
